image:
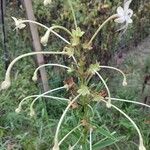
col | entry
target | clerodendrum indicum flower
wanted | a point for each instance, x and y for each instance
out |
(18, 23)
(44, 39)
(125, 13)
(46, 2)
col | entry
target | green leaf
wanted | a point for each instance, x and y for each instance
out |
(104, 143)
(106, 133)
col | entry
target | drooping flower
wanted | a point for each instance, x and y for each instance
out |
(18, 23)
(124, 14)
(44, 39)
(46, 2)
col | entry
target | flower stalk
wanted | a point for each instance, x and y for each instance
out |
(124, 83)
(48, 28)
(141, 145)
(34, 78)
(53, 90)
(109, 96)
(91, 130)
(61, 119)
(76, 49)
(69, 134)
(128, 101)
(32, 96)
(101, 26)
(7, 82)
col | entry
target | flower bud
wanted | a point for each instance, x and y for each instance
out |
(5, 85)
(46, 2)
(44, 39)
(32, 113)
(124, 83)
(18, 110)
(108, 105)
(34, 78)
(56, 147)
(142, 147)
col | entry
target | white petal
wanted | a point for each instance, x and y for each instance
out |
(21, 26)
(15, 19)
(120, 20)
(120, 11)
(130, 12)
(127, 4)
(129, 20)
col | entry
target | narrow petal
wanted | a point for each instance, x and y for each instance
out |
(21, 26)
(127, 4)
(15, 19)
(120, 11)
(130, 12)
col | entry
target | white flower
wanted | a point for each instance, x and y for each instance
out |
(18, 110)
(44, 39)
(124, 14)
(18, 23)
(46, 2)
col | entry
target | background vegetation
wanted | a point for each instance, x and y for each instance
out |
(20, 131)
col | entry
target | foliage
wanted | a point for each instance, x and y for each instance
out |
(37, 127)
